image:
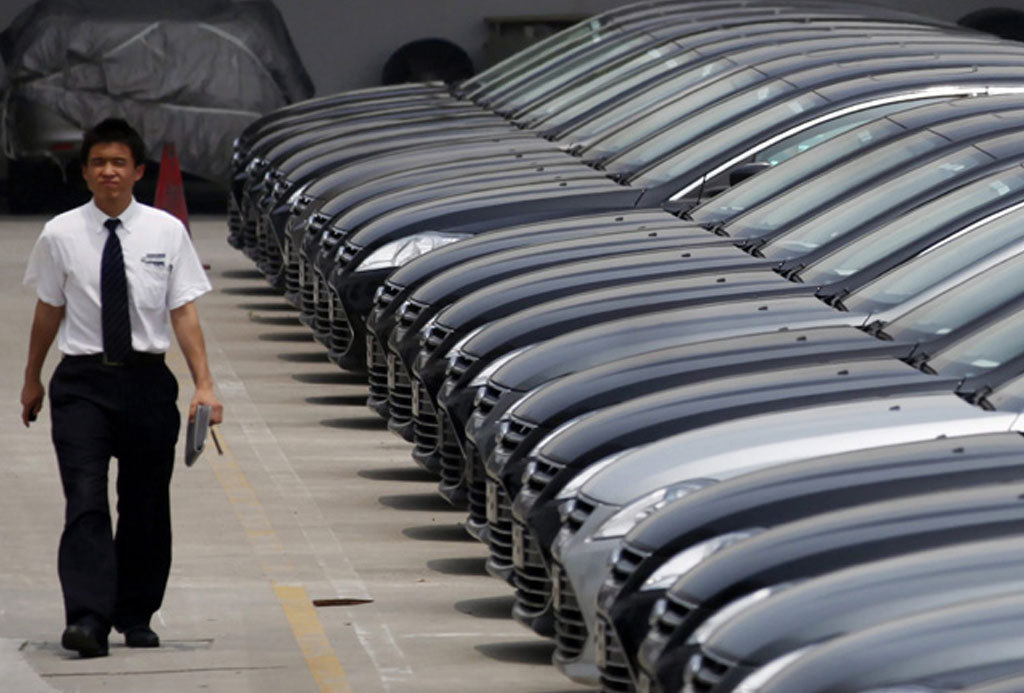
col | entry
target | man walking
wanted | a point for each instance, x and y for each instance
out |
(114, 278)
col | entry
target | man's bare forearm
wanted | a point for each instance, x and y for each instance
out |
(189, 333)
(45, 324)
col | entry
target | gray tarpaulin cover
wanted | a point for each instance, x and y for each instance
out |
(190, 72)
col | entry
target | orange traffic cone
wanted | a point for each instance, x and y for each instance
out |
(170, 191)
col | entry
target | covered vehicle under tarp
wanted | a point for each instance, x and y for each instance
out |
(190, 72)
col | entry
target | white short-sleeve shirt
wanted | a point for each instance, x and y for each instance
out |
(162, 267)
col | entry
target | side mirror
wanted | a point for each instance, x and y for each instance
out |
(744, 171)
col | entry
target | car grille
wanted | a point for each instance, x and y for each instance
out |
(532, 582)
(306, 304)
(425, 424)
(410, 312)
(477, 499)
(249, 228)
(400, 396)
(615, 676)
(262, 233)
(291, 266)
(570, 628)
(500, 535)
(513, 435)
(488, 398)
(234, 218)
(322, 310)
(387, 294)
(348, 253)
(628, 560)
(543, 474)
(435, 338)
(462, 363)
(451, 462)
(707, 674)
(341, 334)
(672, 617)
(581, 511)
(376, 370)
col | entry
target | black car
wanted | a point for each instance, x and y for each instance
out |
(813, 546)
(779, 619)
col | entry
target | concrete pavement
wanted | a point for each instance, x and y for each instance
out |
(313, 500)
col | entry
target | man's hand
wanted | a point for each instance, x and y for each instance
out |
(45, 324)
(206, 396)
(31, 401)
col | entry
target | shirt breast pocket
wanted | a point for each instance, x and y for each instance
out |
(149, 286)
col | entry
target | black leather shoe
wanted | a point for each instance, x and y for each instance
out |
(85, 637)
(141, 636)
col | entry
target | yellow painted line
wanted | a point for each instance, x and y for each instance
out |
(312, 639)
(298, 608)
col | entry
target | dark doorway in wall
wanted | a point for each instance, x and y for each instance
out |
(427, 60)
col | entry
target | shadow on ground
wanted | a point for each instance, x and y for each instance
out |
(470, 565)
(330, 378)
(339, 400)
(530, 652)
(426, 502)
(439, 532)
(297, 336)
(242, 274)
(276, 306)
(409, 473)
(254, 291)
(487, 607)
(304, 357)
(368, 423)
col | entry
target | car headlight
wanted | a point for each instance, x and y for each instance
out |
(492, 367)
(685, 561)
(762, 675)
(619, 524)
(403, 250)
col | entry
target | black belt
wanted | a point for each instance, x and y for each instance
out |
(135, 358)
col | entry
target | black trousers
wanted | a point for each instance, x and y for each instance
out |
(129, 412)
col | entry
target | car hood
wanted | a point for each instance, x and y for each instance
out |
(791, 435)
(617, 339)
(667, 367)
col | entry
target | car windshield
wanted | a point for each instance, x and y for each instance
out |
(788, 170)
(591, 62)
(910, 279)
(689, 161)
(854, 212)
(690, 96)
(988, 348)
(537, 56)
(835, 183)
(1008, 396)
(605, 83)
(961, 304)
(919, 223)
(658, 143)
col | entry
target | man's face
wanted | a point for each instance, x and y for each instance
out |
(111, 173)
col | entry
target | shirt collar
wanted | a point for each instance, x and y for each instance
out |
(97, 216)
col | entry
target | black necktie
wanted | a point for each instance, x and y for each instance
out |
(117, 328)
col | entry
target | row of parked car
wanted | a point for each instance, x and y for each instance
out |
(710, 315)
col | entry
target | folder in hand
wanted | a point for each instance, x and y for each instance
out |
(195, 434)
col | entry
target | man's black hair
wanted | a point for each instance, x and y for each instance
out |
(114, 130)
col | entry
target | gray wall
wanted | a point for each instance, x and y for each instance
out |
(344, 43)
